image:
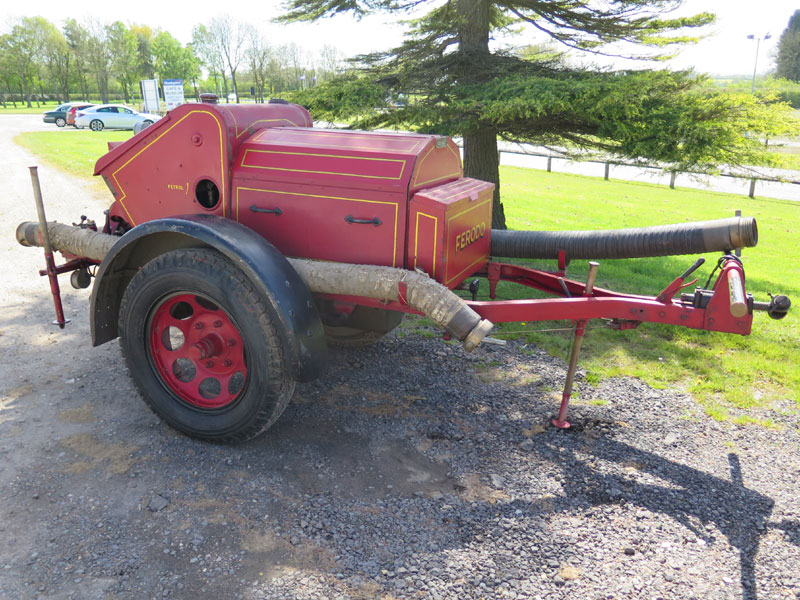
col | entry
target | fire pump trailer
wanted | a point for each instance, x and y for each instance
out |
(241, 241)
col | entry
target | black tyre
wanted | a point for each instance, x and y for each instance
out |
(96, 125)
(60, 121)
(202, 346)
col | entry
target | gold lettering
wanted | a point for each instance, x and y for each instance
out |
(470, 236)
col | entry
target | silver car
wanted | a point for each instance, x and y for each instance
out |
(111, 116)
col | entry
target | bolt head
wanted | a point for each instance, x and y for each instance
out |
(209, 363)
(198, 325)
(227, 363)
(217, 323)
(231, 342)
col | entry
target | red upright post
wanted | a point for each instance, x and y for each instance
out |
(48, 251)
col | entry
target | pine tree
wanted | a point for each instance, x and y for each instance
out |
(788, 56)
(457, 84)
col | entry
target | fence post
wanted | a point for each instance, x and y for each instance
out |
(672, 176)
(549, 164)
(752, 188)
(608, 168)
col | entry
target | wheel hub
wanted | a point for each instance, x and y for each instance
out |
(197, 350)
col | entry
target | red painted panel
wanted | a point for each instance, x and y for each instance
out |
(437, 164)
(156, 172)
(148, 186)
(427, 240)
(468, 237)
(406, 144)
(312, 221)
(354, 159)
(449, 229)
(319, 163)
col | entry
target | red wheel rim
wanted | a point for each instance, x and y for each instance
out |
(198, 351)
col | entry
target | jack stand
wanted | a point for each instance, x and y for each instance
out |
(580, 331)
(52, 272)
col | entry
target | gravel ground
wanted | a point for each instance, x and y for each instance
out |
(410, 470)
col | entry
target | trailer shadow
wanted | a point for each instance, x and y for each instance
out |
(741, 514)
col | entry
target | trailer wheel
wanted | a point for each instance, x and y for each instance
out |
(202, 346)
(96, 125)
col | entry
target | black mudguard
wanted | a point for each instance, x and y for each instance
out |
(289, 299)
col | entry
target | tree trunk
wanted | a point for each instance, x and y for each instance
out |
(480, 144)
(481, 162)
(25, 94)
(235, 89)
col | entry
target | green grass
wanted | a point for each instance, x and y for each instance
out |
(21, 109)
(73, 150)
(722, 371)
(786, 157)
(726, 373)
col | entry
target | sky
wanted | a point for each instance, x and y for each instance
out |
(725, 51)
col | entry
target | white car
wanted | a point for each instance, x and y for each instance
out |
(111, 116)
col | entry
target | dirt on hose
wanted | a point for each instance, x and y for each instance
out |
(410, 470)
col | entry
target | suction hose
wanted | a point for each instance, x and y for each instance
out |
(416, 290)
(662, 240)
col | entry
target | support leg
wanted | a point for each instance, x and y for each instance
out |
(561, 420)
(580, 331)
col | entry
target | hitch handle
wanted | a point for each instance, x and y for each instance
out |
(697, 264)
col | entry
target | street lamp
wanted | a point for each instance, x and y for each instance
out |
(755, 65)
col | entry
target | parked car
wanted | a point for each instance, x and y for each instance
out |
(111, 116)
(74, 109)
(59, 115)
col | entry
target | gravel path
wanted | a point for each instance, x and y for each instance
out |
(411, 470)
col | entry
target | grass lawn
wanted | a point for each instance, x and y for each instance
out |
(21, 109)
(70, 149)
(733, 377)
(787, 157)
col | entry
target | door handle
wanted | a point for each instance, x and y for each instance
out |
(351, 219)
(258, 209)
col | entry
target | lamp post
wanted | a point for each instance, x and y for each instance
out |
(755, 64)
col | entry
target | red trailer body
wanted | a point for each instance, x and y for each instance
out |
(348, 191)
(241, 240)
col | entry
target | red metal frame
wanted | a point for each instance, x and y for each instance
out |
(727, 309)
(627, 311)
